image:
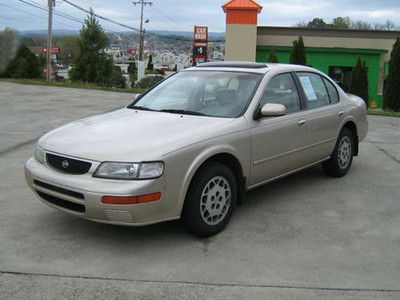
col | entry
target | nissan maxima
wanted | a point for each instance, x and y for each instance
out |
(190, 147)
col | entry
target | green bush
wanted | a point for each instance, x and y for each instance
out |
(272, 57)
(148, 82)
(391, 98)
(150, 65)
(132, 71)
(359, 81)
(25, 65)
(117, 80)
(298, 55)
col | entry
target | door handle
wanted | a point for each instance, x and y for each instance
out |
(340, 113)
(302, 122)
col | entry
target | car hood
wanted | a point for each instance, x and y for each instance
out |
(131, 135)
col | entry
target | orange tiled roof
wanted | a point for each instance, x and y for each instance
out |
(242, 4)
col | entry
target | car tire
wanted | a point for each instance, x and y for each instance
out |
(210, 200)
(342, 157)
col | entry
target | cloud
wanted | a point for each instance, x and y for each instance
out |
(183, 14)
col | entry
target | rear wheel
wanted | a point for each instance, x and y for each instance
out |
(210, 200)
(342, 157)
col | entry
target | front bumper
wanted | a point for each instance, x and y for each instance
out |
(80, 195)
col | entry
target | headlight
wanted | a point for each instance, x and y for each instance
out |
(38, 153)
(117, 170)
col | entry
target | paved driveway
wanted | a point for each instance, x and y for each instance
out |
(306, 236)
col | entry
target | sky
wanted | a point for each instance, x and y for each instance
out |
(182, 15)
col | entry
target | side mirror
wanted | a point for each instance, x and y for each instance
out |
(137, 96)
(273, 110)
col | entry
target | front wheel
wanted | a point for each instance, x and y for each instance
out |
(210, 200)
(342, 157)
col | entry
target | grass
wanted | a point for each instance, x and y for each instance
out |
(386, 113)
(76, 85)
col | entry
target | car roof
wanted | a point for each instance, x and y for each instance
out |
(246, 66)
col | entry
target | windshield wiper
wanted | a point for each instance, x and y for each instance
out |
(183, 112)
(142, 108)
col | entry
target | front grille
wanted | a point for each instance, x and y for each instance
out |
(68, 165)
(59, 189)
(61, 202)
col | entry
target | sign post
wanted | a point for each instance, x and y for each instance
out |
(200, 43)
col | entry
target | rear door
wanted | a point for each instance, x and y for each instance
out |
(278, 144)
(324, 114)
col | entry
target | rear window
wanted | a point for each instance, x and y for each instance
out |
(332, 91)
(314, 89)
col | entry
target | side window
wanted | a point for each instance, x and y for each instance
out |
(333, 93)
(315, 89)
(282, 90)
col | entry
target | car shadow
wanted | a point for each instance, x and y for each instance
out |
(262, 197)
(276, 190)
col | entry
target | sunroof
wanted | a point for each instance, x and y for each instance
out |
(230, 64)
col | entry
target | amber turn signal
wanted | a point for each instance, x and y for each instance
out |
(128, 200)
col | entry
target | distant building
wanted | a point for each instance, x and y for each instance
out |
(331, 51)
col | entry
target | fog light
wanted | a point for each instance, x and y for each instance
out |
(129, 200)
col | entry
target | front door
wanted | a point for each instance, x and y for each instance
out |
(278, 144)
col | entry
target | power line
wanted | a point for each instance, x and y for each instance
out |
(7, 18)
(58, 13)
(22, 11)
(124, 25)
(61, 14)
(169, 20)
(100, 17)
(108, 20)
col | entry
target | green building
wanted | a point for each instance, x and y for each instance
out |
(334, 52)
(331, 51)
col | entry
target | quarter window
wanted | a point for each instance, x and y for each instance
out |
(282, 90)
(333, 93)
(314, 89)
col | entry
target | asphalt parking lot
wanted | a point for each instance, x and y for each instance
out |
(306, 236)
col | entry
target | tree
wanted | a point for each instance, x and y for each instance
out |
(150, 65)
(317, 23)
(341, 23)
(132, 71)
(25, 65)
(301, 24)
(389, 25)
(298, 55)
(7, 47)
(359, 81)
(346, 23)
(69, 49)
(365, 83)
(92, 64)
(272, 57)
(116, 79)
(361, 25)
(391, 98)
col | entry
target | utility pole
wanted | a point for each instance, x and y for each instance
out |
(51, 4)
(143, 3)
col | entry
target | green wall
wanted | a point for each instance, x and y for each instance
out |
(323, 58)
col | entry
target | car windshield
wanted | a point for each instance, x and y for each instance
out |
(203, 93)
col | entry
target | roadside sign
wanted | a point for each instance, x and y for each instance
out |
(200, 43)
(53, 50)
(200, 33)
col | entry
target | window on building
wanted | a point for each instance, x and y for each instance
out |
(282, 90)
